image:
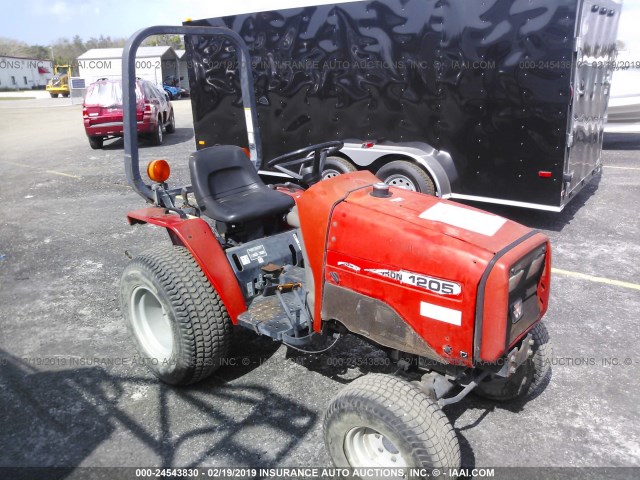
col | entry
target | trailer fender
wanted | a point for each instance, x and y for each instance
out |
(438, 164)
(195, 234)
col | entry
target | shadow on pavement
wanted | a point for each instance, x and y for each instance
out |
(621, 141)
(181, 135)
(542, 219)
(57, 418)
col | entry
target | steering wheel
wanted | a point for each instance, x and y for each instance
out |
(310, 167)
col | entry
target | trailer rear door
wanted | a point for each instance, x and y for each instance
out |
(594, 59)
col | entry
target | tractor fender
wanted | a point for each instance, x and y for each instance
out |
(195, 235)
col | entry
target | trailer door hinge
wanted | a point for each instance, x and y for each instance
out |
(578, 44)
(569, 140)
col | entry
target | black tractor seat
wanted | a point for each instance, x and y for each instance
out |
(228, 188)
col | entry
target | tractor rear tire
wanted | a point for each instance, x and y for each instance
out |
(334, 166)
(403, 174)
(180, 326)
(531, 378)
(53, 95)
(384, 421)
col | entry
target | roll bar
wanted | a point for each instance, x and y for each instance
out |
(131, 157)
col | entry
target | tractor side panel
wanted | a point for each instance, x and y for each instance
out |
(429, 279)
(314, 208)
(447, 276)
(195, 234)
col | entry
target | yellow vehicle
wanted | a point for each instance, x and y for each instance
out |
(59, 83)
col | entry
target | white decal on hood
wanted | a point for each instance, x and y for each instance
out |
(442, 314)
(435, 285)
(482, 223)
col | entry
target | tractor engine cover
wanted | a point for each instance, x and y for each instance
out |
(422, 275)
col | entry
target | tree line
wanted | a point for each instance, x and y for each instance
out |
(66, 51)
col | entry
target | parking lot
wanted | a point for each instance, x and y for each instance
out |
(72, 392)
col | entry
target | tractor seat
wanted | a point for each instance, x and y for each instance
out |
(228, 188)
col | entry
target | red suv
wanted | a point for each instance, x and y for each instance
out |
(102, 111)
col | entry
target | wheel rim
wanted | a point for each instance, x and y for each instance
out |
(173, 120)
(160, 131)
(330, 173)
(151, 323)
(366, 447)
(401, 181)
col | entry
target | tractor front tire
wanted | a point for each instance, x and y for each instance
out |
(529, 379)
(180, 326)
(384, 421)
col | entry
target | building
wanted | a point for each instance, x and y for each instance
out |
(22, 73)
(182, 69)
(152, 63)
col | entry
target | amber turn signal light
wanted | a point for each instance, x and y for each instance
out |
(158, 170)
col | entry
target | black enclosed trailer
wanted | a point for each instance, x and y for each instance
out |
(501, 101)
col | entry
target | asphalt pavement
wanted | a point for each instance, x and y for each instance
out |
(72, 393)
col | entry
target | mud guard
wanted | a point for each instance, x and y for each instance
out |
(195, 235)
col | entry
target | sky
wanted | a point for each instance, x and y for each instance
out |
(42, 22)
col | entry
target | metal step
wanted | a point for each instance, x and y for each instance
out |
(266, 316)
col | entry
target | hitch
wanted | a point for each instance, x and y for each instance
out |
(517, 357)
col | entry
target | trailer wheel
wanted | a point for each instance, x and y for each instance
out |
(334, 166)
(383, 421)
(180, 326)
(96, 142)
(403, 174)
(532, 377)
(157, 135)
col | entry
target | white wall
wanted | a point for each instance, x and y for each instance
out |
(182, 69)
(153, 69)
(19, 68)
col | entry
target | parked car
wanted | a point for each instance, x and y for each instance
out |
(173, 92)
(173, 81)
(102, 111)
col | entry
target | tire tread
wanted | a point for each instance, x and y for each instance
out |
(204, 324)
(405, 409)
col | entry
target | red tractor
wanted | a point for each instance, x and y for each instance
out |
(453, 294)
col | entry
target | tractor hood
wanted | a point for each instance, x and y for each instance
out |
(342, 213)
(432, 260)
(475, 227)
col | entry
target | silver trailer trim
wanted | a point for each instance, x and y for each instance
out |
(499, 201)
